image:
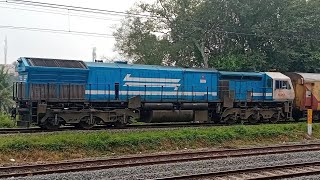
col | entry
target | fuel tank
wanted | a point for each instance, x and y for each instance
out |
(160, 116)
(194, 106)
(170, 106)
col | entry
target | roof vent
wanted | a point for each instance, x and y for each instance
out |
(121, 62)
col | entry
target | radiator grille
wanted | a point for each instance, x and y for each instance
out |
(56, 63)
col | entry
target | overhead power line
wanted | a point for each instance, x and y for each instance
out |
(15, 7)
(58, 31)
(76, 8)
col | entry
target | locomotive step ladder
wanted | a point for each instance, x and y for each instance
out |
(289, 113)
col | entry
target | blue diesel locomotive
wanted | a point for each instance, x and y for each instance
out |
(53, 92)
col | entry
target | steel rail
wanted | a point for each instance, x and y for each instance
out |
(259, 173)
(29, 130)
(133, 161)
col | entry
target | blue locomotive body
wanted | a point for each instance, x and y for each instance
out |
(51, 92)
(248, 86)
(118, 81)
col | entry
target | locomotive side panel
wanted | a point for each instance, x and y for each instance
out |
(244, 87)
(102, 83)
(200, 86)
(152, 84)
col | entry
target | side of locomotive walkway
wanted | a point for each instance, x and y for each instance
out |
(28, 148)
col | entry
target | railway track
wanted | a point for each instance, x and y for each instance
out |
(260, 173)
(97, 128)
(30, 130)
(133, 161)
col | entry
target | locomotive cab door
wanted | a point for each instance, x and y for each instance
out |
(224, 93)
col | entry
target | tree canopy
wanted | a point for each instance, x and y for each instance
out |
(6, 80)
(237, 35)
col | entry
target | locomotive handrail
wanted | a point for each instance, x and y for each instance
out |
(68, 92)
(127, 92)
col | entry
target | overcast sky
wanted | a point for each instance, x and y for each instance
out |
(43, 44)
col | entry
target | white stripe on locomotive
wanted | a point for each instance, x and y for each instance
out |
(139, 79)
(164, 93)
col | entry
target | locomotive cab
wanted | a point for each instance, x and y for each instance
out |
(282, 87)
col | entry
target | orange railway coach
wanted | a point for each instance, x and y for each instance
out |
(307, 94)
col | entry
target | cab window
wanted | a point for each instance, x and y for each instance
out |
(283, 85)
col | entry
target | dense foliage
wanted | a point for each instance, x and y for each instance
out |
(5, 90)
(246, 35)
(6, 121)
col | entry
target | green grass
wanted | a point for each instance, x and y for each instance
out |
(6, 121)
(149, 140)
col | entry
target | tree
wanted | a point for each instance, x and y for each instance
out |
(5, 90)
(246, 35)
(136, 39)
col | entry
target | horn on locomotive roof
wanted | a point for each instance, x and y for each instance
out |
(121, 62)
(273, 70)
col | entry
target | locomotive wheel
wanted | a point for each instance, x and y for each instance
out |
(85, 123)
(230, 120)
(49, 124)
(254, 119)
(119, 124)
(273, 120)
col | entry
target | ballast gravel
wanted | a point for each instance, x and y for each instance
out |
(306, 178)
(168, 170)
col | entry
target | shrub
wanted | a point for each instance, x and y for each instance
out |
(6, 121)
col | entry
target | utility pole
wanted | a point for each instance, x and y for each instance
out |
(5, 50)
